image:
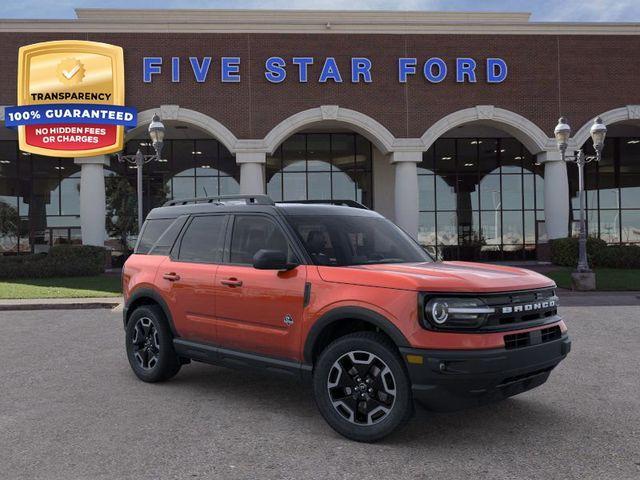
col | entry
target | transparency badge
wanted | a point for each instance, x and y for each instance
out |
(70, 99)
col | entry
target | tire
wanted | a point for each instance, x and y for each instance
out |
(370, 402)
(149, 345)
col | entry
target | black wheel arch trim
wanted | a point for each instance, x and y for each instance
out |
(150, 294)
(351, 313)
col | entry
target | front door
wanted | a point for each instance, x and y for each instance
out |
(259, 310)
(187, 279)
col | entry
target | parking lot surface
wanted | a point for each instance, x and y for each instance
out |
(70, 408)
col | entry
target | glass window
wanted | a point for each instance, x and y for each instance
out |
(294, 153)
(630, 190)
(206, 186)
(355, 240)
(630, 226)
(182, 162)
(320, 186)
(151, 232)
(164, 244)
(445, 193)
(252, 233)
(609, 225)
(511, 155)
(318, 151)
(512, 192)
(426, 189)
(321, 166)
(203, 241)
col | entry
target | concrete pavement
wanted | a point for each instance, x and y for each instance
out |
(70, 408)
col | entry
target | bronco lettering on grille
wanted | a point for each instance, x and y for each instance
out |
(529, 307)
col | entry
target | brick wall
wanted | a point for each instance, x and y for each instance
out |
(578, 76)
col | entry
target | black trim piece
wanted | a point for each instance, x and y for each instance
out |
(307, 294)
(147, 293)
(203, 352)
(449, 380)
(351, 313)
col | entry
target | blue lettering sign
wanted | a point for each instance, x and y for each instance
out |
(428, 70)
(330, 71)
(496, 70)
(230, 70)
(275, 69)
(200, 71)
(406, 66)
(303, 64)
(151, 66)
(360, 67)
(175, 69)
(465, 67)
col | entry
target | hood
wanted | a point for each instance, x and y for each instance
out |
(438, 277)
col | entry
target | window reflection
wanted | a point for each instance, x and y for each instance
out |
(612, 190)
(479, 199)
(321, 166)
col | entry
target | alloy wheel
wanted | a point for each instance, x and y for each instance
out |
(146, 343)
(361, 387)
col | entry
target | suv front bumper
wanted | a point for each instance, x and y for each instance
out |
(449, 380)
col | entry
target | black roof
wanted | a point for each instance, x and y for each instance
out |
(258, 204)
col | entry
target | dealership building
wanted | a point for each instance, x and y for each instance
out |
(442, 122)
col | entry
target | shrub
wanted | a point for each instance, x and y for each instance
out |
(564, 252)
(61, 261)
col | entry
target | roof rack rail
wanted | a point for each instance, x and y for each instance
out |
(221, 199)
(344, 203)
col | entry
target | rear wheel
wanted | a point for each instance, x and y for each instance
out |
(150, 345)
(361, 387)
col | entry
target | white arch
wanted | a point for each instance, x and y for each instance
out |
(630, 112)
(359, 122)
(531, 136)
(197, 119)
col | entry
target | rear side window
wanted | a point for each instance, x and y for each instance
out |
(151, 233)
(164, 244)
(203, 241)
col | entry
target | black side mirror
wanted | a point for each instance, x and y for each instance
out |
(271, 260)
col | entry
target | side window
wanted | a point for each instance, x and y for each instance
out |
(252, 233)
(167, 239)
(151, 232)
(203, 241)
(318, 242)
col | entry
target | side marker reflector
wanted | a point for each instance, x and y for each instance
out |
(415, 359)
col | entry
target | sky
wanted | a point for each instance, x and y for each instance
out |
(542, 10)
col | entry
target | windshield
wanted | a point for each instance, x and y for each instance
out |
(355, 240)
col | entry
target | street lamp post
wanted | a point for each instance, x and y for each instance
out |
(562, 133)
(156, 133)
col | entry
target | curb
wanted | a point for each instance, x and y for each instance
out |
(77, 305)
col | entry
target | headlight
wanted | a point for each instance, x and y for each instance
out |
(456, 312)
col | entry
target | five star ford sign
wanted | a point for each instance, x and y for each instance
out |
(70, 99)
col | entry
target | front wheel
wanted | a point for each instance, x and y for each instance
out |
(150, 345)
(362, 388)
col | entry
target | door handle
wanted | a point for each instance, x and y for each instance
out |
(172, 277)
(231, 282)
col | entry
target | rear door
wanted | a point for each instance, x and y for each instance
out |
(259, 311)
(187, 277)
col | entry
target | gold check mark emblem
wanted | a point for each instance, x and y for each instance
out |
(69, 74)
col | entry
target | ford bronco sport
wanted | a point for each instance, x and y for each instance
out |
(338, 295)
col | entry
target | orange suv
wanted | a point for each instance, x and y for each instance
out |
(335, 294)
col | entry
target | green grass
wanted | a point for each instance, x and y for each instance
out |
(69, 287)
(607, 279)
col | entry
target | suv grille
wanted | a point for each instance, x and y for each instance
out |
(520, 308)
(520, 340)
